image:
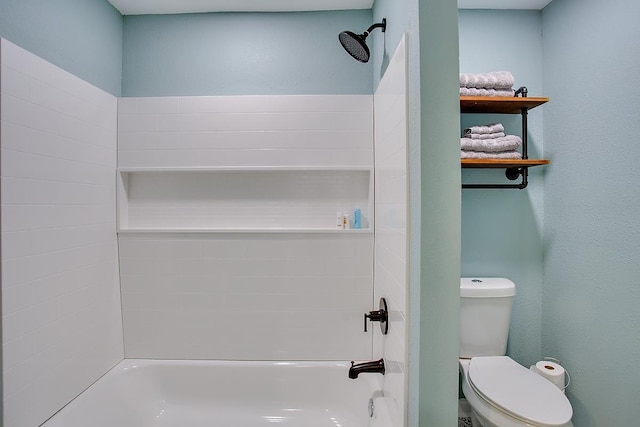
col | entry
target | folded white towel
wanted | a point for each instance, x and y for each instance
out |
(506, 143)
(484, 129)
(466, 154)
(472, 91)
(485, 135)
(493, 80)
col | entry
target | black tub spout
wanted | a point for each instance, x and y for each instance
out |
(375, 366)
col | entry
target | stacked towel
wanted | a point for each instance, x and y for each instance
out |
(472, 91)
(493, 145)
(497, 83)
(483, 130)
(489, 142)
(481, 155)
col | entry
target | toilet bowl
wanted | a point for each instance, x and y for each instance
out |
(503, 393)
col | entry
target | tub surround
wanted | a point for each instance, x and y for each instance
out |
(61, 321)
(267, 261)
(246, 296)
(271, 292)
(244, 131)
(391, 242)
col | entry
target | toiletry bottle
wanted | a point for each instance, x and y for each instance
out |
(357, 219)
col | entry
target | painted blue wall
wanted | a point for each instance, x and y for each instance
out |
(439, 189)
(243, 53)
(401, 18)
(591, 296)
(83, 37)
(502, 229)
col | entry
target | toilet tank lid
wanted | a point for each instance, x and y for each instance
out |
(486, 287)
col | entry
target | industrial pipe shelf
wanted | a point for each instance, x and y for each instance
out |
(514, 168)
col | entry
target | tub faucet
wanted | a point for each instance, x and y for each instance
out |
(373, 366)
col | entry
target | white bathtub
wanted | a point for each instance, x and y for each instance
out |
(167, 393)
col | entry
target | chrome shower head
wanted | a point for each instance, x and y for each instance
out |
(356, 45)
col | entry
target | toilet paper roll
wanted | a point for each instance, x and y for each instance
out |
(552, 371)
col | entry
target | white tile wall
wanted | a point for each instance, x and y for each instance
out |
(296, 130)
(61, 320)
(391, 202)
(264, 296)
(246, 296)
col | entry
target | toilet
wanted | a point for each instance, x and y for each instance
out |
(500, 391)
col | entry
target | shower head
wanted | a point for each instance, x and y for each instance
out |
(356, 45)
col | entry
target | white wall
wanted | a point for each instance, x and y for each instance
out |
(61, 304)
(391, 202)
(260, 290)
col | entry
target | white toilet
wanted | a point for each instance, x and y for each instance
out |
(501, 392)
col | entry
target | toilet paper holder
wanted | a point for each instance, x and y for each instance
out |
(566, 380)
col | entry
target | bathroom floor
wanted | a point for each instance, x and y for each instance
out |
(464, 413)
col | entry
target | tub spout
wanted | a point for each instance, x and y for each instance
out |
(375, 366)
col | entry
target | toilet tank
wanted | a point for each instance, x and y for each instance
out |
(485, 313)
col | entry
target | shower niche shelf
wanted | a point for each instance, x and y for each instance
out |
(514, 168)
(242, 199)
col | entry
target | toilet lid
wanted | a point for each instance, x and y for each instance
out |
(516, 390)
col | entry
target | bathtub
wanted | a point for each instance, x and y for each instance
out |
(176, 393)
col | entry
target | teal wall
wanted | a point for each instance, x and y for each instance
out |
(83, 37)
(502, 229)
(439, 216)
(574, 248)
(401, 18)
(243, 53)
(591, 294)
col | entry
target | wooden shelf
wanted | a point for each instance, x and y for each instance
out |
(499, 104)
(514, 168)
(502, 164)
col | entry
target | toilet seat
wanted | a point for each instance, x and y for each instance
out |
(519, 392)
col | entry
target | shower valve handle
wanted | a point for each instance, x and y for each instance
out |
(381, 316)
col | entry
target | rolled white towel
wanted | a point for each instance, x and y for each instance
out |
(472, 91)
(467, 154)
(484, 129)
(492, 80)
(485, 135)
(506, 143)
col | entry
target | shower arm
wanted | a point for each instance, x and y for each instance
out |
(382, 25)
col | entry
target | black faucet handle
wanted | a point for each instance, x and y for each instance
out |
(381, 316)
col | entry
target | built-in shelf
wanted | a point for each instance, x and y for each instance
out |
(262, 199)
(244, 230)
(514, 168)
